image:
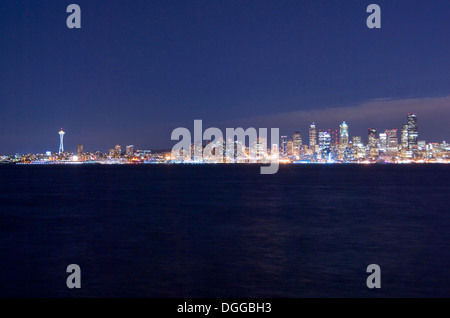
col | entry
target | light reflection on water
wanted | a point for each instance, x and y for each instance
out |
(225, 231)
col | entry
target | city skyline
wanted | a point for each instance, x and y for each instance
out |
(230, 63)
(321, 145)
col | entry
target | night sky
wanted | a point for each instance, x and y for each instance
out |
(136, 71)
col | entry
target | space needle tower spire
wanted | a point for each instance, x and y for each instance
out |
(61, 139)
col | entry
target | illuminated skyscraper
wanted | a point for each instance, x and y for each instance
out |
(290, 147)
(61, 141)
(261, 149)
(283, 146)
(413, 132)
(324, 144)
(392, 142)
(240, 151)
(372, 142)
(383, 143)
(297, 140)
(404, 140)
(343, 140)
(358, 146)
(312, 136)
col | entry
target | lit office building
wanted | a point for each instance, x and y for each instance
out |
(80, 152)
(312, 136)
(297, 143)
(413, 132)
(240, 151)
(343, 140)
(356, 141)
(372, 143)
(283, 147)
(197, 151)
(358, 146)
(383, 143)
(404, 141)
(261, 149)
(290, 147)
(392, 142)
(324, 144)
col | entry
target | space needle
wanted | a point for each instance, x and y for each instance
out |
(61, 141)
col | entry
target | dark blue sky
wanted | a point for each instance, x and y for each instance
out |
(136, 71)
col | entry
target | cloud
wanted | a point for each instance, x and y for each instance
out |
(433, 115)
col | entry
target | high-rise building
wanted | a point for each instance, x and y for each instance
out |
(404, 141)
(413, 132)
(372, 143)
(261, 148)
(61, 141)
(290, 147)
(358, 146)
(240, 151)
(312, 136)
(392, 142)
(129, 150)
(118, 151)
(283, 152)
(80, 152)
(343, 140)
(324, 144)
(297, 143)
(382, 145)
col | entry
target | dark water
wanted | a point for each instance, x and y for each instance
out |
(225, 231)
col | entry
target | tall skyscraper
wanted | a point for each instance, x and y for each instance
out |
(324, 144)
(290, 147)
(392, 142)
(283, 146)
(413, 132)
(404, 141)
(383, 143)
(372, 142)
(61, 141)
(312, 136)
(297, 143)
(343, 140)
